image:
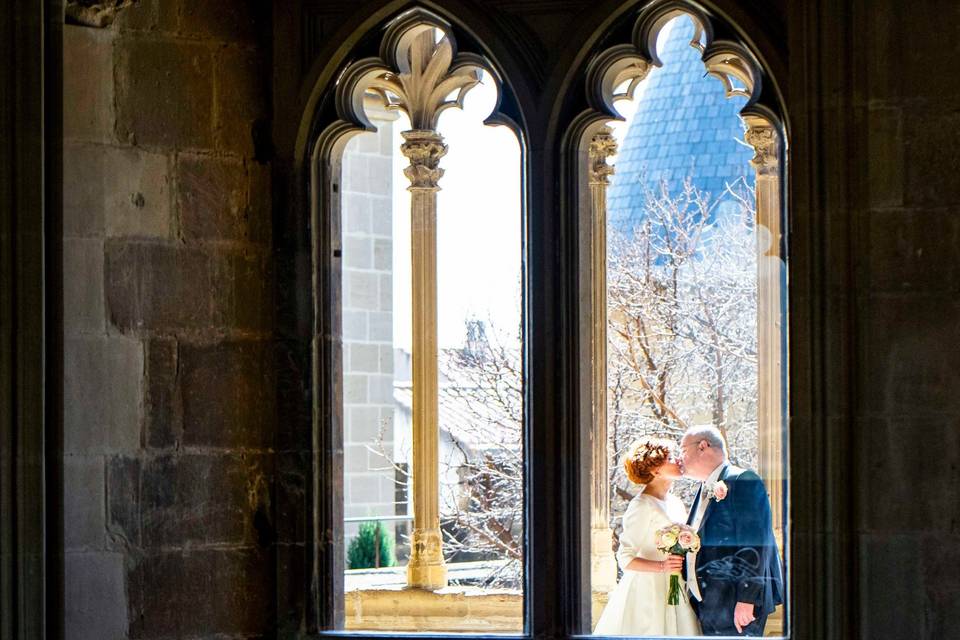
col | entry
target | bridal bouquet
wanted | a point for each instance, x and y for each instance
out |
(677, 540)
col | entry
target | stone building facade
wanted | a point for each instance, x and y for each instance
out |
(368, 354)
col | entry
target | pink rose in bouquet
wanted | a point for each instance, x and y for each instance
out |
(677, 540)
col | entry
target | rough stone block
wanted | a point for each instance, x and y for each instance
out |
(202, 593)
(83, 309)
(117, 192)
(386, 359)
(291, 510)
(356, 213)
(354, 389)
(88, 83)
(930, 159)
(94, 594)
(212, 199)
(381, 326)
(364, 358)
(367, 142)
(383, 254)
(941, 557)
(889, 575)
(148, 15)
(158, 287)
(241, 98)
(354, 460)
(102, 394)
(386, 292)
(228, 394)
(914, 251)
(360, 290)
(164, 410)
(234, 21)
(364, 426)
(291, 596)
(83, 503)
(356, 173)
(203, 499)
(381, 217)
(294, 409)
(380, 389)
(893, 23)
(363, 488)
(241, 283)
(911, 359)
(166, 98)
(885, 157)
(380, 171)
(893, 463)
(357, 252)
(123, 502)
(83, 177)
(355, 325)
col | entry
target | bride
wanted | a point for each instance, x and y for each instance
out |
(638, 605)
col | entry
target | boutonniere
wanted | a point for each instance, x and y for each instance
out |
(717, 491)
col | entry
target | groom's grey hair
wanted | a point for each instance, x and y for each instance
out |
(709, 433)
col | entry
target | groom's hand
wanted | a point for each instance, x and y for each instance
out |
(743, 615)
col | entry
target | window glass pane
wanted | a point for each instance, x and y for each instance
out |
(686, 305)
(479, 484)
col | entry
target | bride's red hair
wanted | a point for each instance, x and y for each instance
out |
(645, 457)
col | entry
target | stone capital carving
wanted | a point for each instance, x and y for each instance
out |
(602, 146)
(424, 150)
(766, 148)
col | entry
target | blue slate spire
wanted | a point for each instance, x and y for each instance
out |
(684, 125)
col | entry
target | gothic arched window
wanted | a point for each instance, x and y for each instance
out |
(485, 353)
(682, 252)
(423, 349)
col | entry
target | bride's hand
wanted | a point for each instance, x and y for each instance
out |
(673, 564)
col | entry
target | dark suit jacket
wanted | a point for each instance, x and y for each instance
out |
(738, 559)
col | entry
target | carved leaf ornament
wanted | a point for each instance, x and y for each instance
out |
(425, 79)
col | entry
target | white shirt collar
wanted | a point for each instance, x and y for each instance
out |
(715, 474)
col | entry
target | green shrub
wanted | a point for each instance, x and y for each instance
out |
(362, 552)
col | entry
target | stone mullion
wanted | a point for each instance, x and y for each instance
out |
(602, 563)
(426, 569)
(766, 161)
(423, 78)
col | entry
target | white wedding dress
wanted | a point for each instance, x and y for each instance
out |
(638, 605)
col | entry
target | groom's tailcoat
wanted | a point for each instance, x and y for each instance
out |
(738, 559)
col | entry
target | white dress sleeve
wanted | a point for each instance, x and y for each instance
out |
(636, 524)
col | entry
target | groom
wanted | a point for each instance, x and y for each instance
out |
(735, 581)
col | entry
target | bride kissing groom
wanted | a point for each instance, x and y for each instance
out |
(735, 580)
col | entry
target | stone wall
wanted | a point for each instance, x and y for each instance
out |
(367, 230)
(169, 387)
(906, 231)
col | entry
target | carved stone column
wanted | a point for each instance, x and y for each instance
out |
(424, 73)
(766, 161)
(424, 150)
(603, 565)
